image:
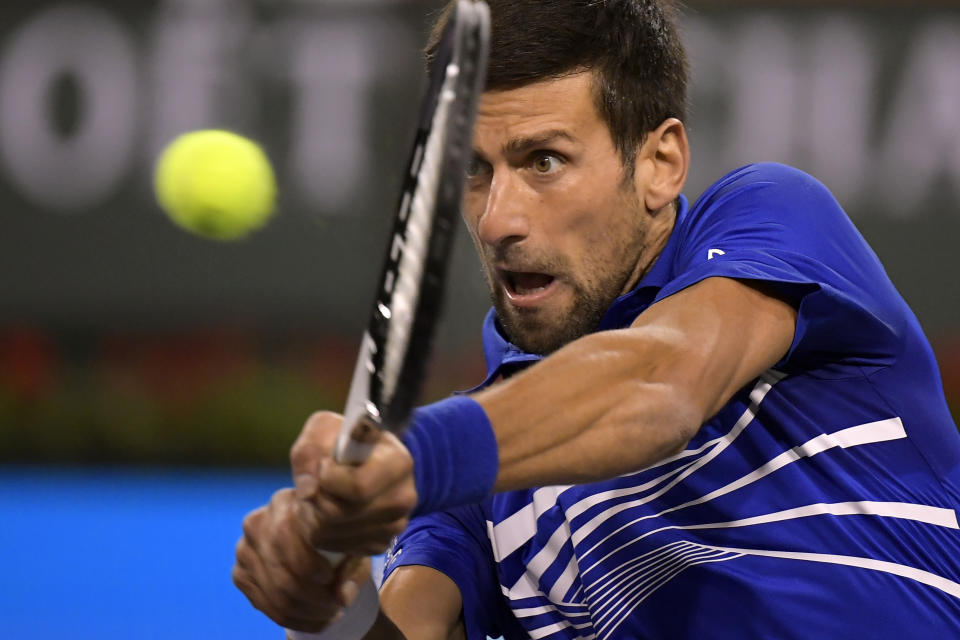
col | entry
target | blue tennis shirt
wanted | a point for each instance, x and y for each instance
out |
(820, 502)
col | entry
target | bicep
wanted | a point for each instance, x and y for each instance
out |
(718, 335)
(423, 603)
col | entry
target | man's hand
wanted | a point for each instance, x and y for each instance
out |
(281, 573)
(358, 508)
(349, 509)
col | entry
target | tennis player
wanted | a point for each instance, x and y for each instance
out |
(709, 420)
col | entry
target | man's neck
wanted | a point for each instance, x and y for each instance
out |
(661, 226)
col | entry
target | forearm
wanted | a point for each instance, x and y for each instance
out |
(601, 406)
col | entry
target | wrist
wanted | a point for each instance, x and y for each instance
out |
(454, 450)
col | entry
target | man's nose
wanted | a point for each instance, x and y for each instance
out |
(505, 219)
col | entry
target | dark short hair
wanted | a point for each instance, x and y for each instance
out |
(632, 46)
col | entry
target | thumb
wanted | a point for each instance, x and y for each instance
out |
(314, 445)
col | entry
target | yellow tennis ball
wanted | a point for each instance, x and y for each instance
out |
(216, 184)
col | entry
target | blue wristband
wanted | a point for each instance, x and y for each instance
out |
(455, 459)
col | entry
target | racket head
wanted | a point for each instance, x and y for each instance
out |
(395, 347)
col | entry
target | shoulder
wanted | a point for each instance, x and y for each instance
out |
(763, 195)
(772, 186)
(766, 175)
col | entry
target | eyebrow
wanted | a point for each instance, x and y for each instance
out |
(526, 143)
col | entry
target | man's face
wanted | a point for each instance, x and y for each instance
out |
(559, 230)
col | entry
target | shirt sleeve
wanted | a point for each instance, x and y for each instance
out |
(455, 543)
(778, 225)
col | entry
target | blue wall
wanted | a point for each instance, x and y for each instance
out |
(126, 553)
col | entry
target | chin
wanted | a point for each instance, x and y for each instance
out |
(546, 328)
(532, 331)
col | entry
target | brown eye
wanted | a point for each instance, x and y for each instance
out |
(544, 163)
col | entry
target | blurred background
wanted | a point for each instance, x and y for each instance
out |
(151, 382)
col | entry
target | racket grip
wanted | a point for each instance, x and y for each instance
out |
(356, 621)
(333, 557)
(350, 449)
(356, 439)
(354, 444)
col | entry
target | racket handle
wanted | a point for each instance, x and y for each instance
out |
(356, 621)
(355, 442)
(333, 557)
(348, 451)
(360, 428)
(353, 447)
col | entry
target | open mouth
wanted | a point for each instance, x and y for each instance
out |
(523, 283)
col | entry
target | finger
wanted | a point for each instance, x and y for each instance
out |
(315, 443)
(275, 531)
(389, 464)
(248, 577)
(245, 583)
(282, 533)
(253, 524)
(283, 596)
(367, 540)
(260, 601)
(395, 504)
(276, 554)
(293, 548)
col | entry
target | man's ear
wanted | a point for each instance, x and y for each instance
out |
(662, 164)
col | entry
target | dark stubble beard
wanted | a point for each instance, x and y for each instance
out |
(542, 332)
(533, 333)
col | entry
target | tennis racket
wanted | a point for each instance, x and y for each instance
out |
(396, 344)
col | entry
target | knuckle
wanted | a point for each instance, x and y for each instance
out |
(240, 549)
(241, 579)
(251, 523)
(287, 520)
(282, 531)
(303, 446)
(245, 556)
(281, 498)
(317, 424)
(301, 453)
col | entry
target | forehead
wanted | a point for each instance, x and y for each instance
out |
(564, 103)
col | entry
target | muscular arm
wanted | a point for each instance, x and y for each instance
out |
(606, 404)
(616, 401)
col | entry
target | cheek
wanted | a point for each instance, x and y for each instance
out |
(603, 240)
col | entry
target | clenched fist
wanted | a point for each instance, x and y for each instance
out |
(360, 508)
(283, 575)
(354, 510)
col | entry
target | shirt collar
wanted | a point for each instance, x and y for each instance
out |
(498, 351)
(627, 307)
